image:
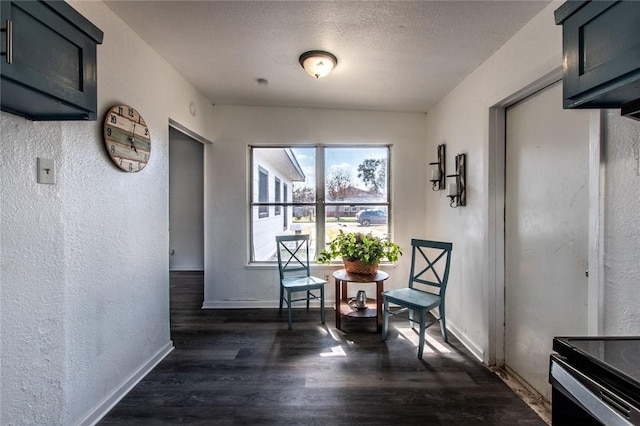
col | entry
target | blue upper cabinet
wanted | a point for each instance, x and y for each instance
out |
(601, 53)
(48, 61)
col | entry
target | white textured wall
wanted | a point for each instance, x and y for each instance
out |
(229, 283)
(461, 121)
(33, 276)
(621, 304)
(186, 202)
(84, 263)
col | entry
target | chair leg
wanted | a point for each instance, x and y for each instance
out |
(412, 323)
(308, 298)
(385, 319)
(422, 332)
(443, 323)
(281, 296)
(322, 304)
(289, 306)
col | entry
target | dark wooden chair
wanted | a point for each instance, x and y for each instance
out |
(295, 276)
(430, 261)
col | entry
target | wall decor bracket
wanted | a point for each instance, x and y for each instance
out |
(438, 170)
(457, 192)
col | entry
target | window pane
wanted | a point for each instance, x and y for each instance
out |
(293, 166)
(304, 191)
(265, 231)
(356, 175)
(350, 218)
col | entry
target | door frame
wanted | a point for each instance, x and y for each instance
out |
(205, 143)
(496, 218)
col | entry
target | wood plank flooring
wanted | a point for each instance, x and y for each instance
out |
(243, 367)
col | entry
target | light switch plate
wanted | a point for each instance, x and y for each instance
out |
(46, 171)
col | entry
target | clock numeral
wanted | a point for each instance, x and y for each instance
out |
(130, 166)
(139, 166)
(131, 112)
(120, 162)
(113, 149)
(120, 110)
(113, 118)
(146, 131)
(108, 131)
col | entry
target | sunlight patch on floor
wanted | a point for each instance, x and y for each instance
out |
(431, 346)
(335, 351)
(333, 334)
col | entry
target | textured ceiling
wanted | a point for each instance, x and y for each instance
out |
(392, 56)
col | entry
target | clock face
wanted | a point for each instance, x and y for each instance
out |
(127, 138)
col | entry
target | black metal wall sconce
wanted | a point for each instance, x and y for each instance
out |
(457, 188)
(438, 170)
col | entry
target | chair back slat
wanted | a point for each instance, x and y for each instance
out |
(430, 262)
(293, 254)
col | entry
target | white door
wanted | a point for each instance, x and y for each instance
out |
(546, 226)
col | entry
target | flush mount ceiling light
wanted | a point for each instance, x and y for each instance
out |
(318, 63)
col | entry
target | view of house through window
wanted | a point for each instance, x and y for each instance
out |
(317, 191)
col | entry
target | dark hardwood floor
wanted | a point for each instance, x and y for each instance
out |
(237, 367)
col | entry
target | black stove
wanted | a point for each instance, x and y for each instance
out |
(595, 381)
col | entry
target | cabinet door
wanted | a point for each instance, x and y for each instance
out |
(52, 73)
(602, 55)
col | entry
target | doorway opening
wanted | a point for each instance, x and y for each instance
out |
(186, 216)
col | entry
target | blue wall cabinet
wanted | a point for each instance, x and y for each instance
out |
(48, 61)
(601, 54)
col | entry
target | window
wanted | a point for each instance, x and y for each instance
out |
(263, 192)
(277, 207)
(330, 188)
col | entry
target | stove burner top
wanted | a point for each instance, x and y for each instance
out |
(595, 380)
(622, 354)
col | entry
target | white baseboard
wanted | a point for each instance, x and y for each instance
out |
(186, 269)
(258, 304)
(111, 400)
(462, 337)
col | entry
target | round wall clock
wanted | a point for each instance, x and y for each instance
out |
(127, 138)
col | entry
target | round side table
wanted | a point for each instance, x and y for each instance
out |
(342, 279)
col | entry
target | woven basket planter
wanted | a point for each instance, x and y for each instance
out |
(359, 267)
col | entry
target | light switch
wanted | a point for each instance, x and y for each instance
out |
(46, 171)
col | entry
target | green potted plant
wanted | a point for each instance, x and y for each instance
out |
(360, 252)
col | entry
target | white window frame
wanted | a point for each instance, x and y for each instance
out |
(320, 203)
